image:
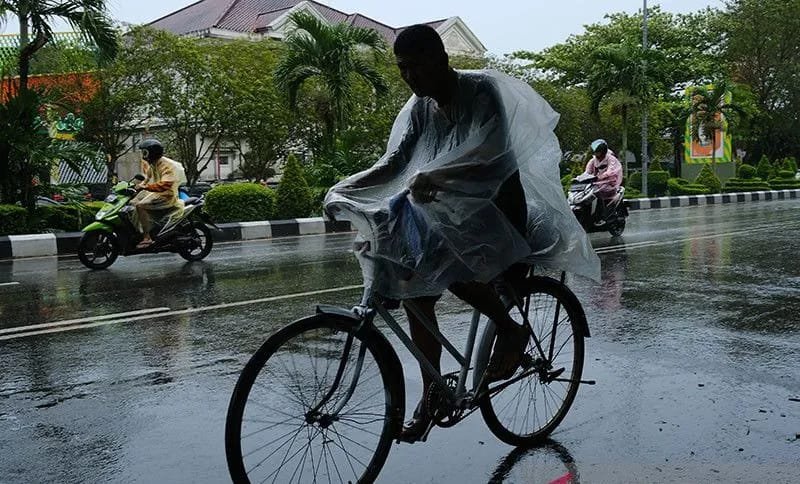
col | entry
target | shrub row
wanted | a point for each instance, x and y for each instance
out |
(680, 186)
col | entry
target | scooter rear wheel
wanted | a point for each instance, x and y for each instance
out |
(97, 250)
(203, 233)
(617, 227)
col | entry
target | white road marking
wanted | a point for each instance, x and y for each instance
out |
(90, 319)
(169, 313)
(6, 284)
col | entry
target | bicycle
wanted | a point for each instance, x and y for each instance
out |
(332, 393)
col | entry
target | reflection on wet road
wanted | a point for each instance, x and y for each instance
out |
(124, 375)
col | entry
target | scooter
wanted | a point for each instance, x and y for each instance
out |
(588, 209)
(186, 232)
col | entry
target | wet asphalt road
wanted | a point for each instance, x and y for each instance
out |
(695, 348)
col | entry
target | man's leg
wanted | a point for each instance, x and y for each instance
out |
(512, 339)
(432, 349)
(146, 224)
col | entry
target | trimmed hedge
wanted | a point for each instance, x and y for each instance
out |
(784, 181)
(747, 172)
(13, 220)
(631, 193)
(293, 197)
(680, 186)
(65, 217)
(739, 185)
(764, 168)
(784, 184)
(709, 179)
(240, 202)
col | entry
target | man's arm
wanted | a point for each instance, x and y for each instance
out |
(167, 180)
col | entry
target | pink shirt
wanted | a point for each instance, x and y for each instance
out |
(608, 172)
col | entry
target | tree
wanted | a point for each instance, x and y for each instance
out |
(616, 76)
(710, 110)
(762, 51)
(118, 110)
(334, 55)
(36, 17)
(186, 96)
(27, 151)
(256, 119)
(606, 62)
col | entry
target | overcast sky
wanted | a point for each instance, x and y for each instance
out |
(503, 26)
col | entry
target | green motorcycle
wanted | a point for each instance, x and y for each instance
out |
(186, 232)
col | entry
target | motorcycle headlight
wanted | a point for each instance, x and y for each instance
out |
(99, 215)
(111, 198)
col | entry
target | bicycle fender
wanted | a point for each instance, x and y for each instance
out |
(384, 347)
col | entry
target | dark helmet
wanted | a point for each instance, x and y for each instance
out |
(152, 150)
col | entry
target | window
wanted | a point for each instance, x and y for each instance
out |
(223, 160)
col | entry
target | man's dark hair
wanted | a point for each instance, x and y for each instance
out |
(419, 40)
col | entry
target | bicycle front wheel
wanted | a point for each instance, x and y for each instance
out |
(316, 403)
(527, 410)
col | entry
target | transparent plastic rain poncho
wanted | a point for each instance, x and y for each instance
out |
(495, 126)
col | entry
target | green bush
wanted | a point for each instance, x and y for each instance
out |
(764, 168)
(635, 181)
(785, 175)
(680, 186)
(656, 182)
(790, 164)
(747, 172)
(13, 220)
(66, 217)
(739, 185)
(318, 199)
(240, 202)
(294, 198)
(709, 179)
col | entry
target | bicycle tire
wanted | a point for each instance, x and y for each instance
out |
(564, 296)
(392, 383)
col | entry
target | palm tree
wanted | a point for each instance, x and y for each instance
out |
(36, 17)
(615, 76)
(709, 109)
(335, 55)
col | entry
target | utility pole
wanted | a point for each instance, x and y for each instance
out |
(645, 160)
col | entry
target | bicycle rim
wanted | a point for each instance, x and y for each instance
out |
(528, 410)
(270, 435)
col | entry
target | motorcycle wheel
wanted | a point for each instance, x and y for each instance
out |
(617, 228)
(97, 250)
(198, 231)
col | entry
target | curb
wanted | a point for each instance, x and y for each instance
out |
(717, 199)
(43, 245)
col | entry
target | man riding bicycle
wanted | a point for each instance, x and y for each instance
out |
(468, 188)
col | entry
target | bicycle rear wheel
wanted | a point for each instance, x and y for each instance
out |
(526, 411)
(303, 411)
